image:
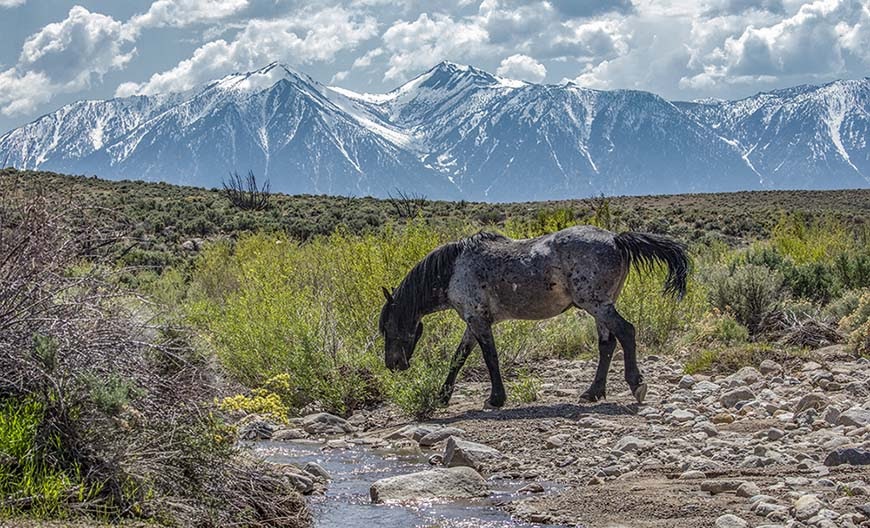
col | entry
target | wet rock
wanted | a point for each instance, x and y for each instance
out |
(438, 435)
(806, 507)
(534, 487)
(326, 424)
(315, 469)
(854, 418)
(463, 453)
(733, 397)
(440, 483)
(299, 479)
(730, 521)
(848, 455)
(286, 435)
(256, 428)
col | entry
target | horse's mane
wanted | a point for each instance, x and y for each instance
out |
(430, 277)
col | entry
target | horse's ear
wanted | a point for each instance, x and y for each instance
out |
(387, 295)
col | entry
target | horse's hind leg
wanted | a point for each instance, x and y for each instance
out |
(624, 332)
(459, 357)
(606, 346)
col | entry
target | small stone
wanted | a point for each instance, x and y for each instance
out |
(723, 418)
(854, 418)
(326, 424)
(849, 455)
(774, 434)
(748, 489)
(730, 521)
(715, 487)
(692, 474)
(813, 400)
(686, 382)
(733, 397)
(627, 444)
(463, 453)
(745, 376)
(681, 415)
(557, 440)
(806, 507)
(769, 366)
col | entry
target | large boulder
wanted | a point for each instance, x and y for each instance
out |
(440, 483)
(326, 424)
(463, 453)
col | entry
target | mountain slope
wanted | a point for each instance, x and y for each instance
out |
(457, 131)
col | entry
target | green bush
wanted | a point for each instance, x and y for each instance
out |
(525, 388)
(748, 291)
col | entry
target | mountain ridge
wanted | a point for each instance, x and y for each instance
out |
(456, 131)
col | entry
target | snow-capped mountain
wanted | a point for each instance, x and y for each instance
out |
(457, 131)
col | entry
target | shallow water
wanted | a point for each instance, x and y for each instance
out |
(346, 503)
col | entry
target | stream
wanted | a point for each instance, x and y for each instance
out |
(346, 503)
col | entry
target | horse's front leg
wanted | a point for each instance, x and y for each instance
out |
(483, 332)
(459, 357)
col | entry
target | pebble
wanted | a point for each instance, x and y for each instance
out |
(731, 521)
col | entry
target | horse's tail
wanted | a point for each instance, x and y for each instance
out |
(644, 250)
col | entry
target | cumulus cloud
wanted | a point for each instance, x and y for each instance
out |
(12, 3)
(300, 39)
(182, 13)
(522, 67)
(816, 41)
(430, 39)
(63, 57)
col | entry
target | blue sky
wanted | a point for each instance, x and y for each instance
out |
(53, 52)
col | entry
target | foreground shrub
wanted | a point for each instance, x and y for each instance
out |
(103, 415)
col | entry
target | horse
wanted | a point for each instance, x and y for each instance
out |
(488, 278)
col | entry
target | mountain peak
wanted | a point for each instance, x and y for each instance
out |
(261, 79)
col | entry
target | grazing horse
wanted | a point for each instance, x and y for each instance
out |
(488, 278)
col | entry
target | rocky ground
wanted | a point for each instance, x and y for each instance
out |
(779, 446)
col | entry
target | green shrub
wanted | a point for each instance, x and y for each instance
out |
(728, 359)
(525, 388)
(748, 291)
(857, 324)
(716, 327)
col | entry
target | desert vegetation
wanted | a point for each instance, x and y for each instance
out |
(133, 325)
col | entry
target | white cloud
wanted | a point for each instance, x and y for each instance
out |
(303, 38)
(430, 39)
(12, 3)
(63, 57)
(180, 13)
(522, 67)
(816, 41)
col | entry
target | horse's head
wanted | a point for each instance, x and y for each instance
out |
(400, 332)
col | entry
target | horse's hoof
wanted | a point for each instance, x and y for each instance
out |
(587, 398)
(489, 406)
(639, 392)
